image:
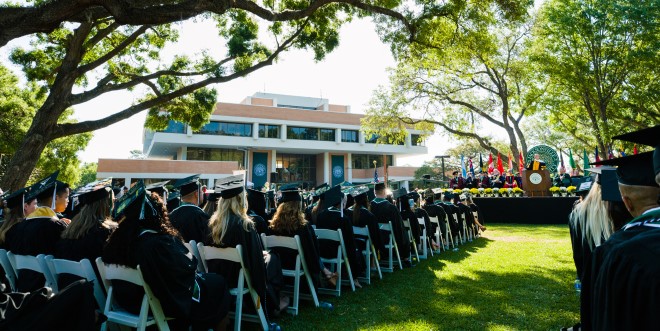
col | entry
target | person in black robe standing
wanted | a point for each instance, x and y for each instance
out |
(333, 218)
(145, 237)
(386, 212)
(190, 220)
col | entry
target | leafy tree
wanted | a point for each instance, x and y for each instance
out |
(466, 79)
(80, 51)
(17, 107)
(601, 59)
(87, 173)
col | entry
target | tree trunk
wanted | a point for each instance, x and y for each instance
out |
(24, 159)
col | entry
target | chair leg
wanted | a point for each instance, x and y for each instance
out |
(239, 310)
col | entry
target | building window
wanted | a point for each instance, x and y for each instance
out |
(327, 134)
(295, 132)
(216, 154)
(227, 129)
(366, 161)
(269, 131)
(296, 168)
(174, 127)
(373, 139)
(349, 136)
(415, 141)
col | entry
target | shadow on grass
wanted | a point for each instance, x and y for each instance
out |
(468, 296)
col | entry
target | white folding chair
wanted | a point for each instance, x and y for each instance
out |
(459, 235)
(118, 315)
(299, 271)
(406, 226)
(426, 244)
(336, 262)
(449, 237)
(243, 285)
(438, 235)
(192, 248)
(9, 270)
(367, 253)
(34, 263)
(391, 247)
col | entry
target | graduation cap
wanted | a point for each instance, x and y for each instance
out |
(359, 190)
(371, 195)
(187, 185)
(462, 196)
(43, 188)
(213, 196)
(448, 195)
(136, 203)
(15, 199)
(414, 195)
(318, 190)
(649, 136)
(634, 170)
(231, 186)
(290, 192)
(332, 196)
(379, 186)
(401, 192)
(584, 185)
(159, 188)
(92, 192)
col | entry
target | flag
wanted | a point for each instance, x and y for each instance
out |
(500, 167)
(375, 175)
(463, 166)
(490, 164)
(622, 152)
(586, 161)
(481, 164)
(571, 161)
(597, 158)
(561, 159)
(635, 150)
(470, 166)
(521, 163)
(510, 162)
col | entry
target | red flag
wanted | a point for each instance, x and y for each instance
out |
(490, 164)
(500, 167)
(635, 150)
(597, 158)
(521, 163)
(510, 162)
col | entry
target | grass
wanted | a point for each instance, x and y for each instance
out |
(515, 277)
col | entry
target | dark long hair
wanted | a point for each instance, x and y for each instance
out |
(121, 243)
(360, 201)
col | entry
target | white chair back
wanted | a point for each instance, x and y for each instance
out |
(391, 247)
(367, 253)
(34, 263)
(10, 274)
(406, 225)
(336, 262)
(424, 240)
(192, 248)
(82, 269)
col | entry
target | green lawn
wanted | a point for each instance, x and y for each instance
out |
(515, 277)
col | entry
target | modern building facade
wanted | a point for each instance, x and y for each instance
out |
(277, 139)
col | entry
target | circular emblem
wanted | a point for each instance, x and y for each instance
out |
(259, 170)
(535, 178)
(546, 154)
(337, 171)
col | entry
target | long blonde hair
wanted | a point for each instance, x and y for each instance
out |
(592, 217)
(288, 218)
(236, 205)
(90, 216)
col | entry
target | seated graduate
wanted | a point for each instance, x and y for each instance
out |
(16, 208)
(289, 221)
(421, 213)
(408, 214)
(536, 164)
(189, 219)
(466, 200)
(452, 212)
(474, 208)
(256, 204)
(385, 212)
(434, 210)
(333, 218)
(89, 230)
(146, 238)
(211, 202)
(464, 213)
(40, 231)
(361, 217)
(230, 226)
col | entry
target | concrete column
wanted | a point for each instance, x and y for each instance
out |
(127, 182)
(326, 167)
(408, 141)
(255, 131)
(349, 158)
(189, 131)
(361, 137)
(182, 153)
(338, 136)
(283, 132)
(273, 162)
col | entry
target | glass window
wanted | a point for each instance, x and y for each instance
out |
(269, 131)
(175, 127)
(296, 168)
(327, 134)
(227, 129)
(349, 136)
(415, 141)
(365, 161)
(372, 139)
(294, 132)
(216, 154)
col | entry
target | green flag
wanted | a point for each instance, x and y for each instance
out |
(481, 163)
(571, 161)
(586, 162)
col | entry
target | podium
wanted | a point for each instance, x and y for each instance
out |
(536, 183)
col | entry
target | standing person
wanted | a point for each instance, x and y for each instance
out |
(231, 226)
(146, 238)
(536, 164)
(40, 231)
(189, 219)
(386, 212)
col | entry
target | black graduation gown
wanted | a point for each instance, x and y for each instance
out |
(452, 215)
(191, 222)
(332, 219)
(34, 236)
(252, 251)
(474, 207)
(414, 225)
(421, 213)
(434, 210)
(468, 218)
(310, 247)
(368, 219)
(623, 291)
(90, 246)
(385, 212)
(260, 224)
(169, 269)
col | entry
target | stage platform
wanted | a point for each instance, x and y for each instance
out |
(526, 210)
